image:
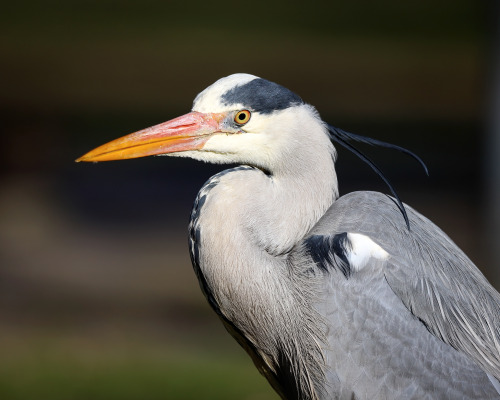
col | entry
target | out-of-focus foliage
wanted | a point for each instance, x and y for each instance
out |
(97, 296)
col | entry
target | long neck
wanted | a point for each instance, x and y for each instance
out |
(244, 224)
(280, 209)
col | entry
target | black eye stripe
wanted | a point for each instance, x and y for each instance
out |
(261, 96)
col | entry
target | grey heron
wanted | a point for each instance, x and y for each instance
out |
(352, 297)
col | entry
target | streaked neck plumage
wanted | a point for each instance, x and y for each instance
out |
(259, 213)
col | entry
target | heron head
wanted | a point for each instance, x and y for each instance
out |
(239, 119)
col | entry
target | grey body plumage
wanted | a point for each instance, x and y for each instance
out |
(333, 298)
(425, 316)
(387, 331)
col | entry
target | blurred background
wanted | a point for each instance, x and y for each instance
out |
(97, 294)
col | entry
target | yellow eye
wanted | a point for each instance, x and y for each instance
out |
(242, 117)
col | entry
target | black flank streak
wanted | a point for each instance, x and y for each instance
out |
(287, 378)
(262, 96)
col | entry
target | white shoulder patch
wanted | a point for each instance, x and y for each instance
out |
(362, 249)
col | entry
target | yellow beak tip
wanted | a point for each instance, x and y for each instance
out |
(82, 158)
(185, 133)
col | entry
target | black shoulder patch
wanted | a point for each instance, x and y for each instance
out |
(330, 252)
(262, 96)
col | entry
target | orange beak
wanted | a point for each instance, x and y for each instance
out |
(188, 132)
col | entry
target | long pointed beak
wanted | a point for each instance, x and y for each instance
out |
(188, 132)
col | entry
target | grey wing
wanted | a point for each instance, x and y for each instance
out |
(433, 278)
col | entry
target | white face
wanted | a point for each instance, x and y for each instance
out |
(270, 136)
(256, 143)
(239, 119)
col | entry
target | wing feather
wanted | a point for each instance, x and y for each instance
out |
(433, 278)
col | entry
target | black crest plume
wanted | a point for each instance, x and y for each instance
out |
(344, 138)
